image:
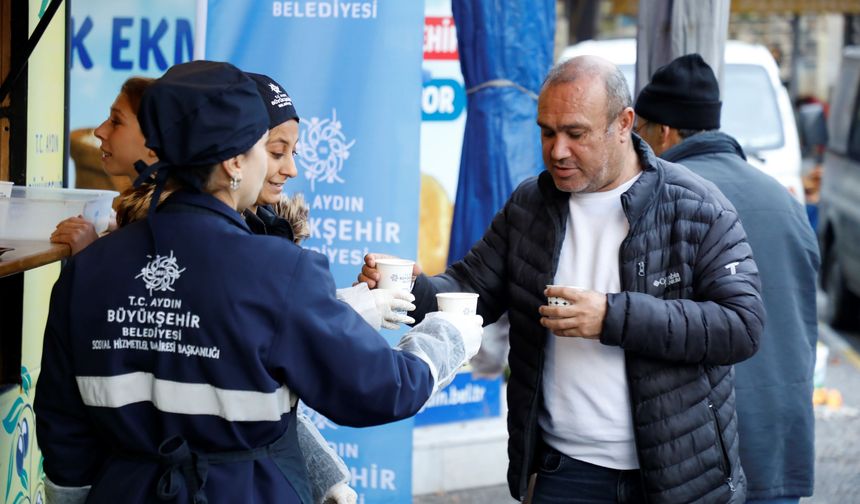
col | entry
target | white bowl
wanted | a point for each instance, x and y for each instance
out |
(32, 213)
(6, 189)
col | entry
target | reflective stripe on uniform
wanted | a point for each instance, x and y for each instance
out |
(185, 398)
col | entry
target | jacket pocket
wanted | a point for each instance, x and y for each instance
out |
(725, 463)
(550, 462)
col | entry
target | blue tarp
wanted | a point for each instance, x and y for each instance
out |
(506, 49)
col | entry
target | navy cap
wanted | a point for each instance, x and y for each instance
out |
(201, 113)
(278, 103)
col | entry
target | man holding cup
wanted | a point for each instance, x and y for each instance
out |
(626, 393)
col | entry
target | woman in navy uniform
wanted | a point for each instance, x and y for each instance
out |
(166, 375)
(122, 142)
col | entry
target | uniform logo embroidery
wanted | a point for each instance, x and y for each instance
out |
(668, 280)
(274, 88)
(732, 266)
(322, 149)
(160, 273)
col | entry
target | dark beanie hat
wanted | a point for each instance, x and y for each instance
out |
(683, 94)
(278, 103)
(201, 113)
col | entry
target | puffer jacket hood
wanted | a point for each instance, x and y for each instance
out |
(708, 142)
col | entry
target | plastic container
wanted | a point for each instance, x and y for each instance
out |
(5, 189)
(32, 213)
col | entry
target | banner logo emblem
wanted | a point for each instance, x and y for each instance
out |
(322, 149)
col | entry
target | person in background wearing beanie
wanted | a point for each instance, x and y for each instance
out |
(625, 394)
(678, 114)
(167, 376)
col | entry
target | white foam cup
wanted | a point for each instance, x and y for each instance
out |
(558, 300)
(394, 274)
(465, 303)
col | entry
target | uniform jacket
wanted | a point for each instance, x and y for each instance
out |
(774, 388)
(690, 308)
(143, 347)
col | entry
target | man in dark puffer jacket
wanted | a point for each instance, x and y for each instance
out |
(776, 423)
(683, 306)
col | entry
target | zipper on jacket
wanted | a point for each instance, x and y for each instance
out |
(725, 454)
(531, 423)
(529, 448)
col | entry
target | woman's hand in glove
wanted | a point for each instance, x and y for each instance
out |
(340, 494)
(470, 327)
(392, 306)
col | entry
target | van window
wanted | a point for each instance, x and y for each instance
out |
(854, 139)
(750, 112)
(629, 72)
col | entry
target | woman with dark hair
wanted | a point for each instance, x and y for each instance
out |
(122, 144)
(166, 375)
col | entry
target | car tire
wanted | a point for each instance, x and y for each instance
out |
(843, 307)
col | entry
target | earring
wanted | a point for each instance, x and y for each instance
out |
(234, 183)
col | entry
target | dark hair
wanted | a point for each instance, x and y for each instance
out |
(192, 177)
(686, 133)
(133, 89)
(133, 204)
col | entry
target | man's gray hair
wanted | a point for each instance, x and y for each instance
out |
(617, 93)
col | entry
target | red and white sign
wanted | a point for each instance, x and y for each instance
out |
(440, 38)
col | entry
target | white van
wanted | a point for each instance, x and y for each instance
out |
(756, 108)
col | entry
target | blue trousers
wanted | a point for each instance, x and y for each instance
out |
(564, 480)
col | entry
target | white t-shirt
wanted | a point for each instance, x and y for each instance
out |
(587, 412)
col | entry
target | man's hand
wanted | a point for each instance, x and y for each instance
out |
(370, 275)
(582, 318)
(76, 232)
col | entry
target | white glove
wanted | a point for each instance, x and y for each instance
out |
(444, 341)
(470, 327)
(392, 306)
(340, 493)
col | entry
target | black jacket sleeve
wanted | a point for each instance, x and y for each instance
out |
(482, 271)
(720, 325)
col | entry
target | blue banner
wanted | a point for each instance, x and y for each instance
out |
(465, 398)
(353, 69)
(111, 41)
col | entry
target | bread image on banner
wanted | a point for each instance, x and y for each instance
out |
(434, 226)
